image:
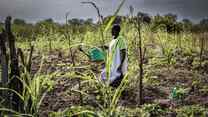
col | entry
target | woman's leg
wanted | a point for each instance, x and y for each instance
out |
(117, 82)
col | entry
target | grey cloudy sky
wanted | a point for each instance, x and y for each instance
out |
(33, 10)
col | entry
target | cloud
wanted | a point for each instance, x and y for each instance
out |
(194, 9)
(34, 10)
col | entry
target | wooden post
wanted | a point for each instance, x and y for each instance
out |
(15, 84)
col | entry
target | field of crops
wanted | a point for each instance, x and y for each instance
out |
(167, 72)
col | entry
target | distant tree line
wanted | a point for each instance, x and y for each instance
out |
(168, 22)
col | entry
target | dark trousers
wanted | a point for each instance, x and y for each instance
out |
(117, 81)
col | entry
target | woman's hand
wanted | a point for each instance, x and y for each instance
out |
(104, 47)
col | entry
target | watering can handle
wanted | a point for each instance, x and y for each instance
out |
(81, 50)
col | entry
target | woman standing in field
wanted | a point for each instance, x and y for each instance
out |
(119, 61)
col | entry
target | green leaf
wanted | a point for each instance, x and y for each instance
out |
(15, 92)
(114, 16)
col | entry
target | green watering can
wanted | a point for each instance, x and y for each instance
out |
(96, 54)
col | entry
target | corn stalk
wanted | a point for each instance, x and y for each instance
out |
(4, 66)
(202, 44)
(14, 84)
(100, 20)
(3, 59)
(140, 53)
(68, 37)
